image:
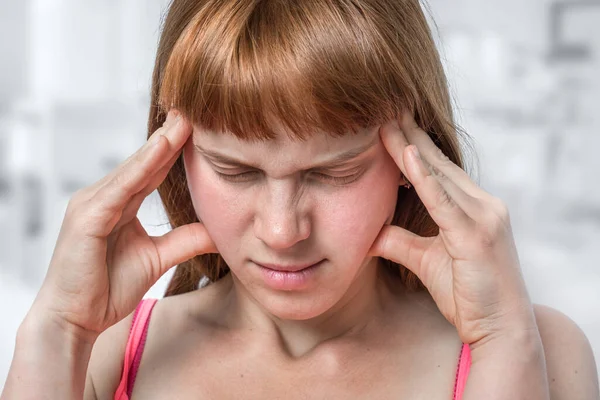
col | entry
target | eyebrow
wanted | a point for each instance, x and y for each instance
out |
(333, 161)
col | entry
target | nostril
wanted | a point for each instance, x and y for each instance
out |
(282, 233)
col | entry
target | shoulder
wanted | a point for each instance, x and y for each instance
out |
(192, 310)
(188, 314)
(181, 314)
(570, 363)
(105, 367)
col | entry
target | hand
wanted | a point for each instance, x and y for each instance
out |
(104, 261)
(471, 268)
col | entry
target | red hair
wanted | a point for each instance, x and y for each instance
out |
(314, 66)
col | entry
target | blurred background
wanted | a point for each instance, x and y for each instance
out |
(74, 96)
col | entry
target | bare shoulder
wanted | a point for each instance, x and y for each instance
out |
(572, 371)
(106, 362)
(197, 309)
(108, 354)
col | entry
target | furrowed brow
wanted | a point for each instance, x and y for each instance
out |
(332, 162)
(347, 155)
(222, 158)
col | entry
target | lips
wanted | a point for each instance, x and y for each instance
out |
(287, 268)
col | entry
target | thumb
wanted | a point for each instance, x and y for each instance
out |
(183, 243)
(402, 247)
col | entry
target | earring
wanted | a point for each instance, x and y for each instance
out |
(407, 185)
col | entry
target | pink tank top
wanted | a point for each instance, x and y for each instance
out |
(137, 340)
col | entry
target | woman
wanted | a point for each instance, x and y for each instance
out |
(284, 142)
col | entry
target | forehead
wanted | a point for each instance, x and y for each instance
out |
(315, 143)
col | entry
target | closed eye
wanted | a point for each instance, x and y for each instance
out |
(242, 177)
(250, 175)
(337, 180)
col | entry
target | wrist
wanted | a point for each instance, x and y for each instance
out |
(516, 324)
(50, 360)
(522, 342)
(43, 324)
(510, 364)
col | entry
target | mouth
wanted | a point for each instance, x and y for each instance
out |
(287, 268)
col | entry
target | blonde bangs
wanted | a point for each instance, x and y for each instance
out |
(247, 66)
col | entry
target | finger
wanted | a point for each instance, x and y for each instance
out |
(181, 244)
(435, 156)
(401, 246)
(405, 248)
(169, 123)
(92, 190)
(111, 199)
(394, 142)
(445, 201)
(134, 205)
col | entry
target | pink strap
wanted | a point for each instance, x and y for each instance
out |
(133, 351)
(137, 338)
(464, 365)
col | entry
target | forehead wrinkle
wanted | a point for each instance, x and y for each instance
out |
(336, 160)
(349, 154)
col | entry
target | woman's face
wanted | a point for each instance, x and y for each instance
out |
(293, 203)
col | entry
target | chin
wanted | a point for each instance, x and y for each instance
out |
(296, 306)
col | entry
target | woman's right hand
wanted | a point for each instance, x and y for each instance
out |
(104, 261)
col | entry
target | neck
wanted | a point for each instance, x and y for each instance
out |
(363, 304)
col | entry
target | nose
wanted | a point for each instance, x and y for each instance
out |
(279, 221)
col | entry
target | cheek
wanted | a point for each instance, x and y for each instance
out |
(354, 217)
(217, 206)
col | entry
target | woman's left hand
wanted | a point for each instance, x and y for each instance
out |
(471, 268)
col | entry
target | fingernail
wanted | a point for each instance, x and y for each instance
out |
(415, 151)
(172, 115)
(421, 164)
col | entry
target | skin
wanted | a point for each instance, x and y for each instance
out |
(268, 343)
(471, 270)
(286, 210)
